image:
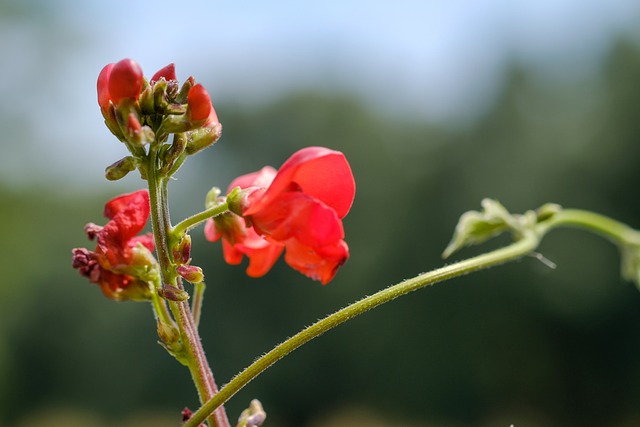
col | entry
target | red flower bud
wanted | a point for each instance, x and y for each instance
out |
(125, 80)
(200, 107)
(168, 72)
(103, 87)
(190, 273)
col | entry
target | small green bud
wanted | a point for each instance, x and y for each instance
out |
(204, 137)
(174, 151)
(169, 334)
(147, 103)
(184, 90)
(213, 198)
(121, 168)
(253, 416)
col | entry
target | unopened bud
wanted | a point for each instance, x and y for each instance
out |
(177, 123)
(184, 90)
(204, 137)
(168, 333)
(238, 199)
(121, 168)
(146, 101)
(190, 273)
(199, 104)
(134, 130)
(173, 152)
(182, 251)
(92, 230)
(125, 80)
(167, 72)
(172, 293)
(213, 198)
(111, 121)
(253, 416)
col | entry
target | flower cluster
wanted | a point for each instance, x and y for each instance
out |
(298, 208)
(140, 112)
(122, 263)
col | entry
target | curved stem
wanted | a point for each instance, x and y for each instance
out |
(516, 250)
(199, 218)
(609, 228)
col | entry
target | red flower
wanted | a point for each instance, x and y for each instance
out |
(122, 263)
(123, 79)
(299, 208)
(200, 107)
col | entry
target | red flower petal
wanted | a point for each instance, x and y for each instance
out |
(199, 103)
(125, 80)
(261, 260)
(318, 172)
(320, 263)
(261, 178)
(103, 87)
(128, 214)
(296, 215)
(168, 72)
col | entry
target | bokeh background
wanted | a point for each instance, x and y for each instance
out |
(437, 104)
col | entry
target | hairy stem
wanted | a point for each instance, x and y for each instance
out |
(516, 250)
(609, 228)
(161, 223)
(199, 218)
(196, 304)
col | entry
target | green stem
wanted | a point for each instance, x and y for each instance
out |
(194, 220)
(161, 223)
(516, 250)
(196, 304)
(611, 229)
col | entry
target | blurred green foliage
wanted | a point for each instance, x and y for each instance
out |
(518, 344)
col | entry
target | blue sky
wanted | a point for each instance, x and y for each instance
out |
(431, 60)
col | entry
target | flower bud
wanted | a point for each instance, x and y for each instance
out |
(169, 335)
(182, 251)
(172, 293)
(253, 416)
(184, 90)
(190, 273)
(134, 129)
(92, 230)
(103, 87)
(175, 150)
(168, 73)
(213, 198)
(121, 168)
(238, 199)
(125, 80)
(199, 104)
(203, 138)
(146, 100)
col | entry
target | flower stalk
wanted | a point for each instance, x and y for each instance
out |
(192, 346)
